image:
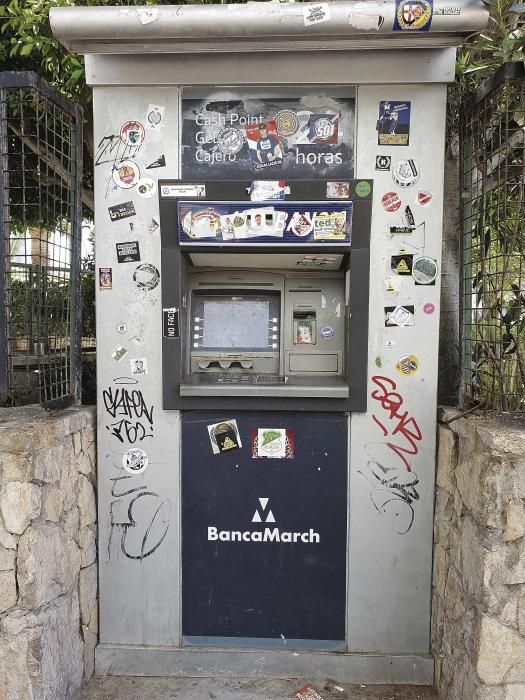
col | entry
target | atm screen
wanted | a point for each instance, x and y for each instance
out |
(236, 322)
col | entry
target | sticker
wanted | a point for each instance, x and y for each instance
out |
(287, 122)
(139, 366)
(399, 315)
(121, 211)
(323, 129)
(329, 226)
(146, 276)
(132, 133)
(391, 201)
(304, 332)
(378, 361)
(204, 223)
(447, 10)
(153, 225)
(146, 187)
(147, 14)
(393, 124)
(307, 693)
(170, 323)
(105, 278)
(126, 174)
(365, 18)
(424, 198)
(413, 16)
(401, 264)
(405, 173)
(118, 353)
(390, 344)
(392, 285)
(300, 224)
(230, 140)
(429, 308)
(264, 144)
(155, 117)
(424, 270)
(363, 188)
(313, 14)
(224, 436)
(338, 190)
(135, 460)
(383, 162)
(403, 230)
(159, 163)
(409, 217)
(318, 261)
(183, 191)
(275, 443)
(122, 328)
(407, 365)
(327, 333)
(128, 252)
(262, 190)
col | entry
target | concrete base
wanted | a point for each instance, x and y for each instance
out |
(126, 660)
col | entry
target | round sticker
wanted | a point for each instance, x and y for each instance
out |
(132, 133)
(324, 128)
(125, 174)
(327, 333)
(154, 117)
(301, 224)
(405, 173)
(286, 122)
(135, 460)
(407, 365)
(146, 187)
(146, 276)
(424, 198)
(230, 140)
(424, 270)
(391, 201)
(363, 188)
(429, 308)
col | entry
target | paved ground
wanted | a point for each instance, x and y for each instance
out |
(238, 689)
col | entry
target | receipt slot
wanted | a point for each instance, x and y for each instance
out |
(267, 288)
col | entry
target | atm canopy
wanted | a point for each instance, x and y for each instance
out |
(270, 26)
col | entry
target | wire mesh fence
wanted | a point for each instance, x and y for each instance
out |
(493, 228)
(40, 229)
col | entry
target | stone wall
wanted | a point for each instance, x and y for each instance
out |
(478, 620)
(48, 555)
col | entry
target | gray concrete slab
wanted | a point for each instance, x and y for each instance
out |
(125, 688)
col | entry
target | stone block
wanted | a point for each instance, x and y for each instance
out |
(516, 691)
(93, 619)
(16, 466)
(88, 439)
(18, 663)
(88, 586)
(440, 570)
(86, 502)
(516, 572)
(7, 590)
(88, 546)
(515, 522)
(7, 540)
(7, 558)
(90, 642)
(49, 462)
(501, 653)
(454, 605)
(19, 504)
(447, 458)
(480, 481)
(52, 504)
(77, 444)
(85, 465)
(48, 564)
(470, 559)
(521, 611)
(443, 515)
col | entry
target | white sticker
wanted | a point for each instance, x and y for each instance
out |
(135, 460)
(147, 14)
(118, 353)
(139, 366)
(275, 443)
(365, 17)
(146, 187)
(183, 191)
(155, 117)
(313, 14)
(122, 327)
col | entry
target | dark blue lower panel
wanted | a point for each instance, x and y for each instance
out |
(286, 577)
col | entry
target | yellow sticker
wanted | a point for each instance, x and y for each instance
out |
(407, 365)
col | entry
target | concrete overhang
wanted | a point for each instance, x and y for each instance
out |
(258, 26)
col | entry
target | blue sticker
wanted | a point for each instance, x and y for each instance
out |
(393, 123)
(413, 15)
(327, 333)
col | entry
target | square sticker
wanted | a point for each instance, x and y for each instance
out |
(275, 443)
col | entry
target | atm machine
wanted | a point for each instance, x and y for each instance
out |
(264, 351)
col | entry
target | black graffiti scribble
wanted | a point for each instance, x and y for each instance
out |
(135, 419)
(150, 532)
(393, 487)
(111, 149)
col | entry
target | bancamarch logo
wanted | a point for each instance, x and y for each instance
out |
(263, 514)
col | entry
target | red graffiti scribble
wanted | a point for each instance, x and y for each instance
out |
(391, 402)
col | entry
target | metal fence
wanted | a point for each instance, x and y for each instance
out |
(493, 222)
(40, 238)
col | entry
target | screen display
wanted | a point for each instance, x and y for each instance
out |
(235, 323)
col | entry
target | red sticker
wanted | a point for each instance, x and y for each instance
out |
(132, 133)
(424, 197)
(391, 201)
